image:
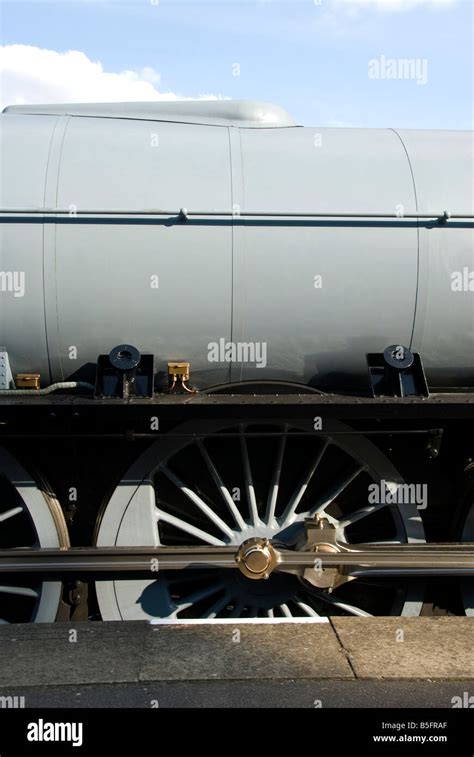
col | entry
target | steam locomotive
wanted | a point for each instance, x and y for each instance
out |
(236, 365)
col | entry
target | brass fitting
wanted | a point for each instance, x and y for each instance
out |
(256, 558)
(28, 380)
(179, 371)
(178, 375)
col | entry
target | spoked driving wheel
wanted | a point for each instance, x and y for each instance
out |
(218, 483)
(29, 517)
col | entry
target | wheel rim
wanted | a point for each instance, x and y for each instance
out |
(184, 491)
(29, 517)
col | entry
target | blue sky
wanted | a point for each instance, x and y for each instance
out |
(311, 58)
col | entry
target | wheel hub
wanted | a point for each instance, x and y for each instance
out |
(256, 558)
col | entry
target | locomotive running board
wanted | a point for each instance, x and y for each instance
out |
(350, 560)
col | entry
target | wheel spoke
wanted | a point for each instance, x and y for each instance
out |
(307, 610)
(10, 513)
(217, 607)
(197, 596)
(252, 500)
(21, 591)
(205, 509)
(361, 513)
(289, 514)
(285, 610)
(371, 581)
(252, 612)
(236, 610)
(275, 484)
(188, 528)
(226, 495)
(351, 609)
(334, 491)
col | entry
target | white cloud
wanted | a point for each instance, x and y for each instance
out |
(34, 75)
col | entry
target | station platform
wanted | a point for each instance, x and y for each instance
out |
(340, 661)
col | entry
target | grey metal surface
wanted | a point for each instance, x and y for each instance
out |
(443, 167)
(237, 277)
(244, 113)
(324, 333)
(104, 272)
(24, 155)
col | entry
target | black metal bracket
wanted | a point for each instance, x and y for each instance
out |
(124, 373)
(397, 372)
(433, 447)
